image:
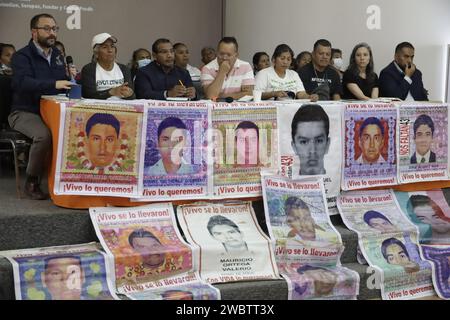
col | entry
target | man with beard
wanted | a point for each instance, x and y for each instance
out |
(39, 69)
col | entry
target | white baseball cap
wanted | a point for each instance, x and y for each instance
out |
(101, 38)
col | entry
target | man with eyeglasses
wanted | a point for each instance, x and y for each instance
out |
(227, 76)
(39, 69)
(162, 79)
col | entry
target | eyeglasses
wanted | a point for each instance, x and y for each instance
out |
(48, 29)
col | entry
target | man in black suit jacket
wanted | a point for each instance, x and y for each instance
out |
(400, 79)
(423, 137)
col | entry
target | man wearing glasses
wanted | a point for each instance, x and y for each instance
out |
(227, 76)
(39, 69)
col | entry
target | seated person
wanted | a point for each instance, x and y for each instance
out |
(6, 53)
(360, 82)
(261, 60)
(336, 61)
(319, 77)
(162, 79)
(38, 70)
(278, 81)
(302, 59)
(141, 58)
(105, 78)
(61, 47)
(400, 79)
(208, 55)
(227, 76)
(182, 60)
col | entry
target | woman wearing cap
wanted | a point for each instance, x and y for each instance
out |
(104, 78)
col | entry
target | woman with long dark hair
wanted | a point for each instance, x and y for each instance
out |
(279, 81)
(360, 82)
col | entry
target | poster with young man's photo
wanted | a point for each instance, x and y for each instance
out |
(76, 272)
(244, 142)
(310, 144)
(423, 142)
(99, 149)
(389, 243)
(369, 147)
(231, 245)
(175, 157)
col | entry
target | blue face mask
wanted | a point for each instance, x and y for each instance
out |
(143, 62)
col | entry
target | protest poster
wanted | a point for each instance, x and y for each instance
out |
(430, 212)
(143, 242)
(245, 139)
(175, 157)
(369, 155)
(388, 242)
(186, 286)
(78, 272)
(439, 257)
(313, 282)
(231, 245)
(299, 222)
(99, 149)
(422, 142)
(307, 246)
(310, 144)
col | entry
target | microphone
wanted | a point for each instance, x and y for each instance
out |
(69, 62)
(227, 99)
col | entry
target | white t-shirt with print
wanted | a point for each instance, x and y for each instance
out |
(106, 80)
(267, 80)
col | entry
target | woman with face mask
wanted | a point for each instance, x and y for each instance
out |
(141, 58)
(360, 82)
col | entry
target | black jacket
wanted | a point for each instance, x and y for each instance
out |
(432, 157)
(152, 81)
(393, 84)
(34, 76)
(89, 86)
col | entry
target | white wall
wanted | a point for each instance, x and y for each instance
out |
(136, 24)
(260, 25)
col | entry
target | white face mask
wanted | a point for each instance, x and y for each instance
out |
(338, 63)
(143, 62)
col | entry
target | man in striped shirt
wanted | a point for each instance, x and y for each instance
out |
(227, 76)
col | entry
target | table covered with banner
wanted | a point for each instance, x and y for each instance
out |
(379, 164)
(217, 158)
